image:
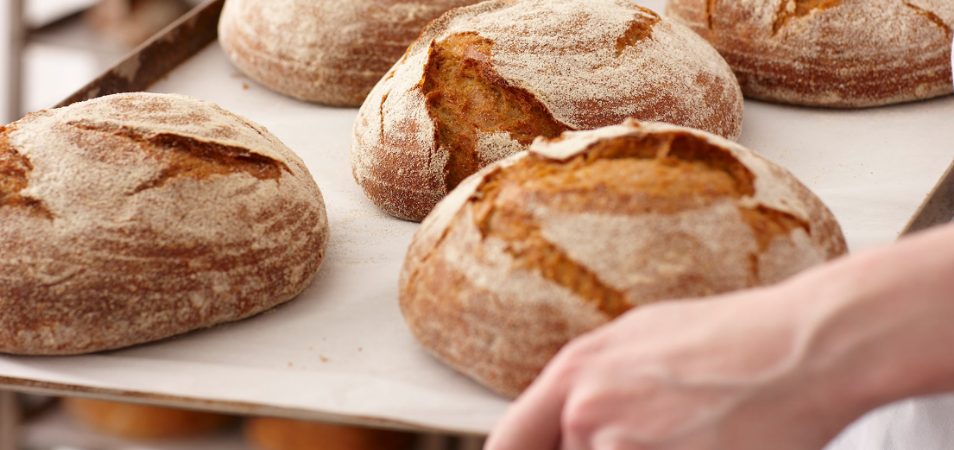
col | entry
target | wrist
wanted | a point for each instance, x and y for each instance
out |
(823, 381)
(875, 328)
(796, 376)
(837, 340)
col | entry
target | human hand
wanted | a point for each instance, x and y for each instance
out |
(719, 373)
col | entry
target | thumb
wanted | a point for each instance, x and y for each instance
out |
(533, 420)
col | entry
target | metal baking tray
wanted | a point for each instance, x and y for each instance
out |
(341, 352)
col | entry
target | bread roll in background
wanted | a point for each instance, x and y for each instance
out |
(483, 81)
(135, 217)
(286, 434)
(551, 243)
(133, 421)
(833, 53)
(324, 51)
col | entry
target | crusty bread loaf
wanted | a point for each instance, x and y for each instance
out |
(134, 421)
(324, 51)
(285, 434)
(833, 53)
(554, 242)
(135, 217)
(483, 81)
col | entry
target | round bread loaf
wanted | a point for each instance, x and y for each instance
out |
(285, 434)
(551, 243)
(135, 217)
(133, 421)
(483, 81)
(833, 53)
(324, 51)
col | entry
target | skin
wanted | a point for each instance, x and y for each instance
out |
(785, 367)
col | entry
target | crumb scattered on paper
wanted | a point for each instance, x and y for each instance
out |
(323, 358)
(245, 86)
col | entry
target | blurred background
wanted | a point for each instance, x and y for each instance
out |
(53, 47)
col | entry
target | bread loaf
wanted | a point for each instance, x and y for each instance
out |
(135, 217)
(324, 51)
(285, 434)
(132, 421)
(483, 81)
(551, 243)
(833, 53)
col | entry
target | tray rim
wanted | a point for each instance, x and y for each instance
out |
(29, 386)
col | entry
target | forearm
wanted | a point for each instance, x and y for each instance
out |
(879, 326)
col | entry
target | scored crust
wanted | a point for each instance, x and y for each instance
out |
(324, 51)
(551, 243)
(833, 53)
(482, 81)
(135, 217)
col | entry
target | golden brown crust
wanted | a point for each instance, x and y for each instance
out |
(547, 245)
(286, 434)
(466, 97)
(162, 214)
(14, 170)
(185, 156)
(482, 81)
(833, 53)
(639, 29)
(323, 51)
(134, 421)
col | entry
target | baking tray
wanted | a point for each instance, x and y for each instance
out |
(341, 352)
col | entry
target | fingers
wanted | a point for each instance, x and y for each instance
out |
(533, 421)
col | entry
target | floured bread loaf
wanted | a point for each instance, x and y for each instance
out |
(324, 51)
(135, 217)
(483, 81)
(551, 243)
(834, 53)
(134, 421)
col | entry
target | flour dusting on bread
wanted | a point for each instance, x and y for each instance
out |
(164, 214)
